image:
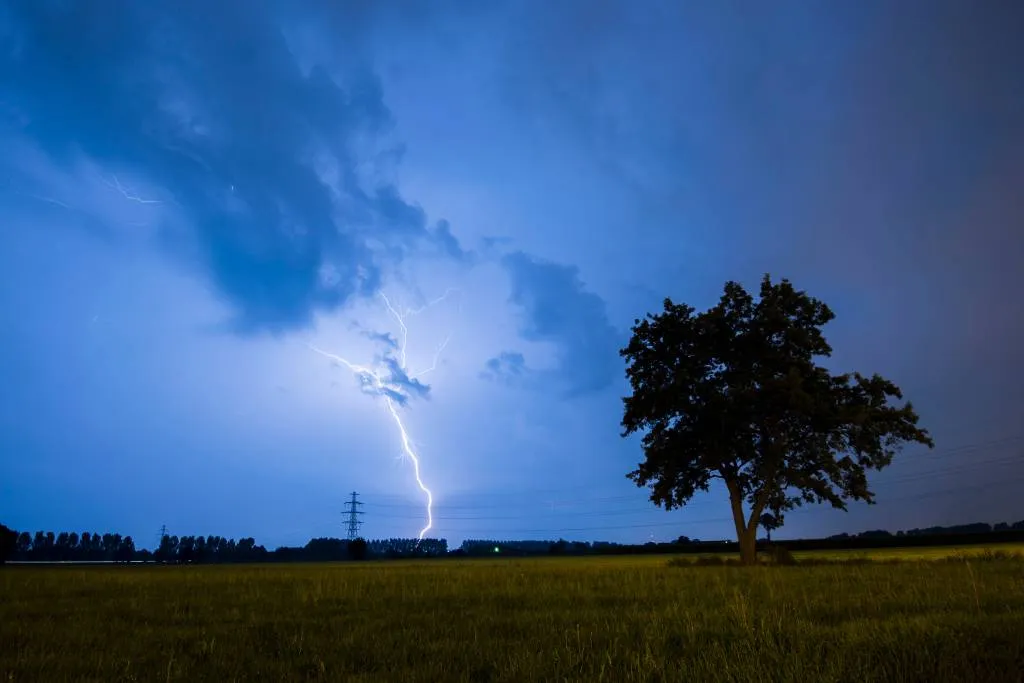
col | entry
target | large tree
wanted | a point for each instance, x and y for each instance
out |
(735, 394)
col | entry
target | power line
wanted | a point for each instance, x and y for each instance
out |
(441, 506)
(490, 503)
(902, 479)
(968, 448)
(680, 522)
(950, 467)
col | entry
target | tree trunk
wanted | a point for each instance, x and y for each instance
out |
(748, 546)
(746, 530)
(745, 534)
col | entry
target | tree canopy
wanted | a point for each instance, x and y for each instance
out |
(735, 394)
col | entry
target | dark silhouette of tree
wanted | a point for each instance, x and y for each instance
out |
(111, 543)
(199, 550)
(357, 549)
(325, 550)
(213, 549)
(769, 523)
(246, 550)
(559, 547)
(734, 394)
(167, 551)
(875, 533)
(63, 546)
(24, 545)
(125, 551)
(38, 546)
(49, 547)
(84, 545)
(8, 543)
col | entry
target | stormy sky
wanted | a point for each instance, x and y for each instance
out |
(475, 201)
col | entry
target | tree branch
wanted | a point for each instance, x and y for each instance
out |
(758, 508)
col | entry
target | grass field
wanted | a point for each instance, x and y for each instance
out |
(546, 619)
(926, 553)
(894, 554)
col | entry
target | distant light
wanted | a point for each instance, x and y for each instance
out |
(496, 549)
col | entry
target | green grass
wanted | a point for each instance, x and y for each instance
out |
(980, 551)
(926, 553)
(549, 619)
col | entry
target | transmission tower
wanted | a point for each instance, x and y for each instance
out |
(353, 512)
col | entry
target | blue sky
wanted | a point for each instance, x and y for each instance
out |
(192, 196)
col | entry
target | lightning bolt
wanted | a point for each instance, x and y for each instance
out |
(375, 381)
(128, 194)
(433, 365)
(48, 200)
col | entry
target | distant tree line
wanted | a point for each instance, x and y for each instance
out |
(208, 550)
(483, 547)
(964, 534)
(976, 528)
(336, 549)
(93, 547)
(68, 547)
(408, 547)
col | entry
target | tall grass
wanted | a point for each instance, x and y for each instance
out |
(577, 619)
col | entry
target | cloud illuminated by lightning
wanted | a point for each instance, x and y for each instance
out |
(392, 380)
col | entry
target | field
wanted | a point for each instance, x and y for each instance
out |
(923, 553)
(546, 619)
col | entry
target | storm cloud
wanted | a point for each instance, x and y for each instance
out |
(180, 95)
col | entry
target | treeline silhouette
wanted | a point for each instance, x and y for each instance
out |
(67, 547)
(207, 550)
(332, 549)
(93, 547)
(976, 528)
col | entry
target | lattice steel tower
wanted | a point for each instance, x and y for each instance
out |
(353, 512)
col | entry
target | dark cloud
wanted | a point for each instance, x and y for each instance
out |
(399, 385)
(449, 244)
(493, 242)
(494, 247)
(557, 309)
(385, 338)
(210, 102)
(508, 368)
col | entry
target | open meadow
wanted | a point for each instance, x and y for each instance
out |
(918, 553)
(544, 619)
